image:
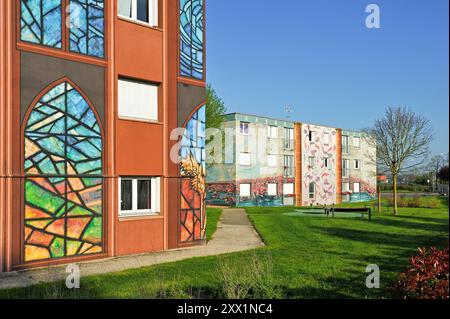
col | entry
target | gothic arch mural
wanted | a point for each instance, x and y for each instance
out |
(192, 168)
(63, 185)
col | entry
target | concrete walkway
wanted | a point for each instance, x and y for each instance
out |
(234, 233)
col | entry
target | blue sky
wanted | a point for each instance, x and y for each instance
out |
(318, 57)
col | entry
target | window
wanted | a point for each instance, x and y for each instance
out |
(272, 160)
(325, 162)
(191, 39)
(87, 25)
(288, 189)
(357, 164)
(312, 190)
(356, 142)
(326, 138)
(345, 168)
(288, 138)
(140, 10)
(138, 100)
(244, 159)
(288, 165)
(41, 22)
(345, 146)
(244, 190)
(356, 187)
(272, 131)
(139, 196)
(311, 162)
(311, 136)
(346, 198)
(272, 189)
(244, 128)
(345, 187)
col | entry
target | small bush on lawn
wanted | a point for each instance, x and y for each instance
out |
(252, 279)
(427, 276)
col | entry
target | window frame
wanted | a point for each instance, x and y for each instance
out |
(155, 197)
(312, 195)
(242, 125)
(272, 131)
(153, 13)
(359, 188)
(311, 162)
(357, 164)
(289, 138)
(149, 85)
(345, 168)
(287, 187)
(249, 159)
(358, 145)
(271, 185)
(249, 190)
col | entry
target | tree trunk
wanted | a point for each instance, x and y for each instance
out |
(379, 197)
(394, 193)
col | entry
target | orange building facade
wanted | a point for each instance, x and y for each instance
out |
(92, 163)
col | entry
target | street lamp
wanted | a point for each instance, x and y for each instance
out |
(428, 182)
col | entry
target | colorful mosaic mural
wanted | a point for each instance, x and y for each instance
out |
(191, 38)
(192, 168)
(87, 24)
(63, 183)
(41, 22)
(318, 165)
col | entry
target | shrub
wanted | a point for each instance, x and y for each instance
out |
(252, 279)
(427, 276)
(417, 202)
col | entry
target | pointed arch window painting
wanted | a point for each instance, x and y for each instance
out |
(87, 24)
(63, 177)
(192, 166)
(191, 38)
(41, 22)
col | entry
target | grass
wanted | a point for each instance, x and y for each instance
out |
(310, 257)
(214, 215)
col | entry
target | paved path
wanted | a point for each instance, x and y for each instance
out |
(234, 233)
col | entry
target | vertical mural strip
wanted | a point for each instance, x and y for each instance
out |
(338, 166)
(298, 163)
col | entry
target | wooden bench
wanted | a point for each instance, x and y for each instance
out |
(362, 210)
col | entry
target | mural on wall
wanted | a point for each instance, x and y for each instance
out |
(191, 38)
(87, 24)
(41, 22)
(367, 191)
(193, 184)
(63, 177)
(319, 165)
(228, 193)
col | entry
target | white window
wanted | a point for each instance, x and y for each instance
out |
(244, 159)
(311, 162)
(346, 198)
(356, 141)
(345, 187)
(244, 190)
(138, 100)
(356, 188)
(145, 11)
(272, 131)
(271, 160)
(345, 146)
(345, 168)
(312, 190)
(357, 164)
(288, 138)
(272, 189)
(139, 196)
(326, 138)
(288, 189)
(244, 128)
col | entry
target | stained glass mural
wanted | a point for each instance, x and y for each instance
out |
(192, 166)
(87, 24)
(191, 38)
(63, 183)
(41, 22)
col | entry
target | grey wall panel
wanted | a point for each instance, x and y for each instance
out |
(38, 71)
(189, 96)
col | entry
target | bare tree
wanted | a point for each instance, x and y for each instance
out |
(402, 140)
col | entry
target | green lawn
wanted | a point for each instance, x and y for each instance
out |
(311, 257)
(214, 215)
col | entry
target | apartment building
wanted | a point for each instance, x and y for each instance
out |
(359, 170)
(269, 162)
(91, 93)
(257, 166)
